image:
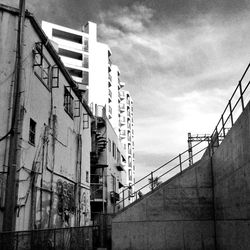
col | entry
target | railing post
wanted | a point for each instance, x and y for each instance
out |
(180, 162)
(209, 145)
(123, 198)
(223, 126)
(231, 112)
(241, 96)
(152, 181)
(190, 150)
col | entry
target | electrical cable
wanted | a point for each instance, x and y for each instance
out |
(10, 132)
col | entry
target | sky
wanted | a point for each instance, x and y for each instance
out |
(180, 60)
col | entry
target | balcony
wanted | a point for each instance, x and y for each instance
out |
(122, 107)
(122, 134)
(130, 151)
(122, 121)
(110, 77)
(122, 84)
(109, 64)
(121, 95)
(110, 95)
(110, 112)
(114, 197)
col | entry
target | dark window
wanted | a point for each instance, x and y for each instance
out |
(86, 61)
(87, 176)
(68, 102)
(70, 54)
(109, 145)
(85, 79)
(32, 132)
(75, 72)
(113, 179)
(86, 44)
(67, 36)
(118, 155)
(114, 150)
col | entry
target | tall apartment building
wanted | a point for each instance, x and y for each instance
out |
(127, 133)
(89, 63)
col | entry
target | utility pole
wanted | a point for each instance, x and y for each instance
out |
(9, 219)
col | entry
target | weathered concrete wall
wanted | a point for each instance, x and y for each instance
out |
(178, 215)
(50, 168)
(231, 164)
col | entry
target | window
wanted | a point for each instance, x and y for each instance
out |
(41, 65)
(87, 176)
(109, 145)
(113, 182)
(114, 150)
(85, 121)
(86, 61)
(86, 44)
(32, 132)
(130, 174)
(118, 155)
(70, 54)
(85, 79)
(67, 36)
(68, 102)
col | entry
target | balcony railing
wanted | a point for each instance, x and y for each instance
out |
(110, 93)
(176, 165)
(122, 133)
(122, 120)
(110, 77)
(122, 95)
(122, 107)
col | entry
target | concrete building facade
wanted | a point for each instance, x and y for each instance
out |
(53, 135)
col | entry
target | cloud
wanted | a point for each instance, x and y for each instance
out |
(180, 75)
(131, 19)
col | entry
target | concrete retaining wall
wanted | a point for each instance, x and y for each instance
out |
(178, 215)
(231, 164)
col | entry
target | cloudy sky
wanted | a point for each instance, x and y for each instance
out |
(180, 59)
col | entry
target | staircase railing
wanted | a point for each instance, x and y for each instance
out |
(159, 175)
(234, 108)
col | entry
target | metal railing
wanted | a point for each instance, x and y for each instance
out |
(53, 239)
(234, 108)
(232, 111)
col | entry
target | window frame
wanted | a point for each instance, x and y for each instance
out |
(68, 102)
(42, 71)
(32, 132)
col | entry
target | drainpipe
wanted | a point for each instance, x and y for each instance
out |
(78, 179)
(11, 194)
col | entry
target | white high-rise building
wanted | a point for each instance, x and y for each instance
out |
(127, 132)
(89, 63)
